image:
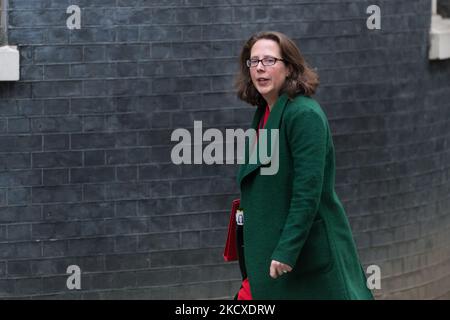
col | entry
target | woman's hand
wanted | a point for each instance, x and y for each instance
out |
(278, 269)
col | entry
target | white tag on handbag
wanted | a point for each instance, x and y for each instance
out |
(239, 217)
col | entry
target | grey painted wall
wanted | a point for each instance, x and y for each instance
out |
(85, 171)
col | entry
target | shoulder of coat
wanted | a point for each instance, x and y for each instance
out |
(303, 104)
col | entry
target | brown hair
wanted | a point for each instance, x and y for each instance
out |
(302, 80)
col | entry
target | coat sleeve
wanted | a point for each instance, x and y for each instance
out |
(307, 138)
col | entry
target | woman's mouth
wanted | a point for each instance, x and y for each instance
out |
(262, 81)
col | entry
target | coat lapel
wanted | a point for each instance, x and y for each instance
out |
(273, 122)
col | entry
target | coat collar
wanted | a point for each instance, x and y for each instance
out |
(273, 122)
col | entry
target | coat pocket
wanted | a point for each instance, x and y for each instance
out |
(315, 255)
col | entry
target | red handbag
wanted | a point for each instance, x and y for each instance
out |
(230, 252)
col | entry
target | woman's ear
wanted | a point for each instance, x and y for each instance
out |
(290, 71)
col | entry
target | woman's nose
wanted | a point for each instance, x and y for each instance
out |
(260, 66)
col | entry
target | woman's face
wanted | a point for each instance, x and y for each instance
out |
(268, 80)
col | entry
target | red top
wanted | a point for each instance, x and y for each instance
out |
(262, 122)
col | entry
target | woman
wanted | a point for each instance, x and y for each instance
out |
(297, 239)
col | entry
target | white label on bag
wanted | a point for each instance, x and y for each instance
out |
(239, 217)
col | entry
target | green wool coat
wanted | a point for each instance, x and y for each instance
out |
(295, 215)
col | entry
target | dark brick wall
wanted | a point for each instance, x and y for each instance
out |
(85, 170)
